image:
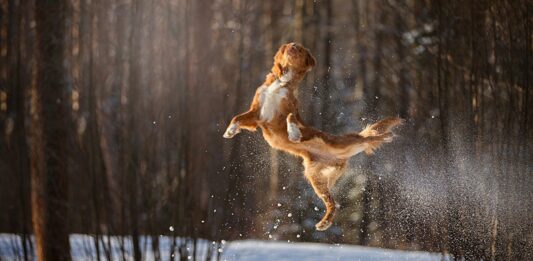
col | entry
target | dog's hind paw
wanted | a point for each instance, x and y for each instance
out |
(323, 225)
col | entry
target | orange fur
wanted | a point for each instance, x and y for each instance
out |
(274, 109)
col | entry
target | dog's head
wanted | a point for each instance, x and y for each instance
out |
(292, 56)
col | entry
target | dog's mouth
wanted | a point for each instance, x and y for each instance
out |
(293, 50)
(292, 56)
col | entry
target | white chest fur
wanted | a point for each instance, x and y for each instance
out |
(271, 97)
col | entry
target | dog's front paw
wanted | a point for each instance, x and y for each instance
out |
(295, 135)
(232, 130)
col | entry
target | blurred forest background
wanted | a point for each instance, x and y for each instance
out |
(112, 115)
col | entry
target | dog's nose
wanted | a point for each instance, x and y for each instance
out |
(293, 47)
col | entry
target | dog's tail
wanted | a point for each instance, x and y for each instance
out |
(379, 128)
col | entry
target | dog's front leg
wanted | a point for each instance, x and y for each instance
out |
(293, 130)
(232, 130)
(247, 120)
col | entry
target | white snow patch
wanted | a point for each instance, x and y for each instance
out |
(256, 250)
(82, 248)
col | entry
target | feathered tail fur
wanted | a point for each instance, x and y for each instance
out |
(379, 128)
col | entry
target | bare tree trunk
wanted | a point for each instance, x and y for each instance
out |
(298, 20)
(16, 37)
(326, 75)
(48, 134)
(361, 46)
(452, 213)
(234, 197)
(370, 95)
(366, 214)
(403, 83)
(122, 143)
(92, 160)
(133, 107)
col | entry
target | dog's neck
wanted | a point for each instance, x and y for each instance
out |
(286, 77)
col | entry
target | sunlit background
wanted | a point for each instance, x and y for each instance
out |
(146, 88)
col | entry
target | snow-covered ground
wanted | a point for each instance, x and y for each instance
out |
(82, 248)
(254, 250)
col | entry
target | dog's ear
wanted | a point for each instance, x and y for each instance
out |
(277, 69)
(279, 54)
(310, 60)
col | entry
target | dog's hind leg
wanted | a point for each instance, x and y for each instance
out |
(333, 174)
(319, 175)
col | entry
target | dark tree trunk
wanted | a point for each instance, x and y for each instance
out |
(133, 107)
(326, 74)
(371, 94)
(17, 81)
(48, 135)
(366, 210)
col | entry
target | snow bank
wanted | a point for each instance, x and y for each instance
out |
(82, 248)
(254, 250)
